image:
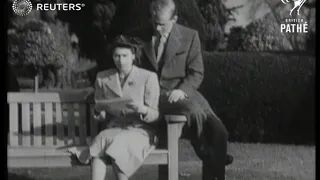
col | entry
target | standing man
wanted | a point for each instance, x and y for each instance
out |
(175, 54)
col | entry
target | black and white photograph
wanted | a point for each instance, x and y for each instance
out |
(161, 89)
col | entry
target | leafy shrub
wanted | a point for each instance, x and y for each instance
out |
(33, 44)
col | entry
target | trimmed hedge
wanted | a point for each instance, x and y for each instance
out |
(262, 97)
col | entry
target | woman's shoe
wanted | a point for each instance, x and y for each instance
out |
(82, 154)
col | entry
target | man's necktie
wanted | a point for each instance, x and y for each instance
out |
(159, 51)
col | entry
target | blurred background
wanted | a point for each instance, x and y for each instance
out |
(258, 80)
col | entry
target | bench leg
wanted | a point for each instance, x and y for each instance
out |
(173, 148)
(163, 172)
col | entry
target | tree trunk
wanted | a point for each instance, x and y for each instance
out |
(60, 78)
(12, 81)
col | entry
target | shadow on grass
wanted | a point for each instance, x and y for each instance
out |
(150, 172)
(257, 174)
(12, 176)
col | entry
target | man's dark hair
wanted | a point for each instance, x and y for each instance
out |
(158, 5)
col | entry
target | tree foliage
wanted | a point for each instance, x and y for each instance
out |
(264, 35)
(278, 12)
(236, 38)
(102, 15)
(34, 44)
(216, 16)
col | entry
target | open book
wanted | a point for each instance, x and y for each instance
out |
(115, 106)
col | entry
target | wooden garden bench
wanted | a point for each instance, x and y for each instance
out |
(43, 125)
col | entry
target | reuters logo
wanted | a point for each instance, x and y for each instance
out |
(22, 7)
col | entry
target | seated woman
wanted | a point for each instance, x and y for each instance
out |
(129, 136)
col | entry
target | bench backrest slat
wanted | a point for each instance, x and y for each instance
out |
(50, 119)
(26, 125)
(65, 122)
(37, 124)
(13, 114)
(60, 126)
(82, 124)
(71, 123)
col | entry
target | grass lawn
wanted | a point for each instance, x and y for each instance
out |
(252, 161)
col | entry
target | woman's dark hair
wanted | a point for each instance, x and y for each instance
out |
(132, 43)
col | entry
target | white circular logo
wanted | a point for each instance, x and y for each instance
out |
(22, 7)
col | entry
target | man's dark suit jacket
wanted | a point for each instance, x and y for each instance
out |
(181, 66)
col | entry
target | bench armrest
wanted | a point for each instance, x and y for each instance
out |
(174, 128)
(175, 119)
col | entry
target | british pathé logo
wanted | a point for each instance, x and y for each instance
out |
(22, 7)
(297, 5)
(294, 25)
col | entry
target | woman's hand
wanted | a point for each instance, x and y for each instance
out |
(101, 116)
(139, 108)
